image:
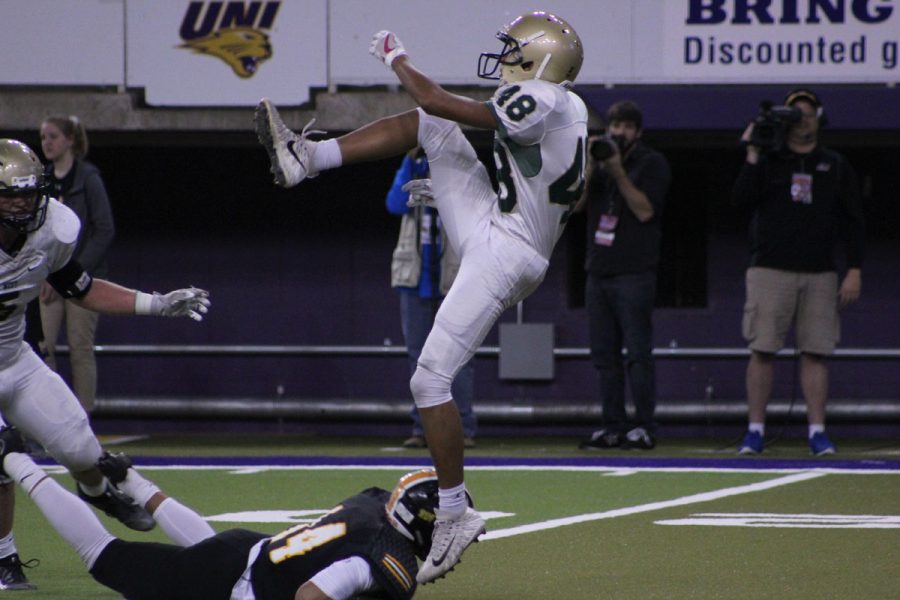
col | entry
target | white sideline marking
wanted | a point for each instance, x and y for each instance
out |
(299, 516)
(640, 508)
(805, 521)
(621, 473)
(269, 516)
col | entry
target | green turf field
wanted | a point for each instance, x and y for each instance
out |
(562, 532)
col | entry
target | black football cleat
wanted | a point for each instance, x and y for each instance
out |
(12, 577)
(10, 441)
(114, 466)
(120, 506)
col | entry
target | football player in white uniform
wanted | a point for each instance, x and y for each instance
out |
(37, 239)
(504, 238)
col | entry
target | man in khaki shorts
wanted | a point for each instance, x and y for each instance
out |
(801, 195)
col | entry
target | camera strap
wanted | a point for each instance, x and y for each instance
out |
(605, 234)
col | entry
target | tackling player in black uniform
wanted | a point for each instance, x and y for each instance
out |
(367, 544)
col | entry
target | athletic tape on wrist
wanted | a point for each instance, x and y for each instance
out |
(143, 303)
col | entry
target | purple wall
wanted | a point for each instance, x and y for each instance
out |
(314, 291)
(708, 107)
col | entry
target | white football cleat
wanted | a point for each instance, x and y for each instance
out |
(450, 539)
(290, 154)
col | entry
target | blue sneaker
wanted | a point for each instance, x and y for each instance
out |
(820, 445)
(752, 444)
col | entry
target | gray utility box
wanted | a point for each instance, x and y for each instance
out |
(526, 351)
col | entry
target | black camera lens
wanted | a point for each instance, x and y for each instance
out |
(601, 149)
(604, 147)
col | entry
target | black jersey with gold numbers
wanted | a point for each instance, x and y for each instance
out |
(358, 526)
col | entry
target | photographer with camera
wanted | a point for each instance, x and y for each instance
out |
(801, 196)
(626, 185)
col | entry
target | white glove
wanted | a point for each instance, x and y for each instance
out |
(188, 302)
(420, 192)
(386, 47)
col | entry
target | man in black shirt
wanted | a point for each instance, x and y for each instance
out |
(624, 194)
(801, 196)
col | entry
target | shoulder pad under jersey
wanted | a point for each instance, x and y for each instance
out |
(61, 222)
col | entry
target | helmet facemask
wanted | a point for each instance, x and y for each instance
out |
(411, 507)
(23, 211)
(23, 188)
(491, 66)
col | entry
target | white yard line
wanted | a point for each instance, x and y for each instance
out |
(802, 521)
(641, 508)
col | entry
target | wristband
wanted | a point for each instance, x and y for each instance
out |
(143, 303)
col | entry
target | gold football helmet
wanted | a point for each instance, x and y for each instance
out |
(23, 187)
(535, 46)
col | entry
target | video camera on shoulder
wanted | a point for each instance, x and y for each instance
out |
(771, 126)
(605, 146)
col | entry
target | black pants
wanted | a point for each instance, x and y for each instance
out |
(620, 309)
(207, 570)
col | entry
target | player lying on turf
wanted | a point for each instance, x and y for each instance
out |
(504, 239)
(367, 544)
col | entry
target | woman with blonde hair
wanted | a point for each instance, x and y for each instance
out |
(77, 184)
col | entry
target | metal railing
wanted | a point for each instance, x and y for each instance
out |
(675, 353)
(850, 410)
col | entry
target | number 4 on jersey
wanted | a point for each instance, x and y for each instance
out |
(568, 187)
(566, 190)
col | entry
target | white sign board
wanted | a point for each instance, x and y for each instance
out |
(48, 42)
(749, 41)
(232, 53)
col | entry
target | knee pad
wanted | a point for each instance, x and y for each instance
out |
(429, 389)
(75, 447)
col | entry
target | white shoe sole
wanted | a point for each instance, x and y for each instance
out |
(267, 123)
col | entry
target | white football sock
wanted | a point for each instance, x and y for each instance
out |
(182, 524)
(137, 487)
(452, 501)
(94, 490)
(74, 520)
(814, 429)
(326, 156)
(7, 545)
(759, 428)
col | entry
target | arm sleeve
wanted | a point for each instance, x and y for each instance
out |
(101, 229)
(345, 578)
(851, 202)
(396, 197)
(71, 281)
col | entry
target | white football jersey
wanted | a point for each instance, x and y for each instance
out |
(539, 150)
(45, 251)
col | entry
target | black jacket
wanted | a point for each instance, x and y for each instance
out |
(86, 196)
(793, 235)
(636, 245)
